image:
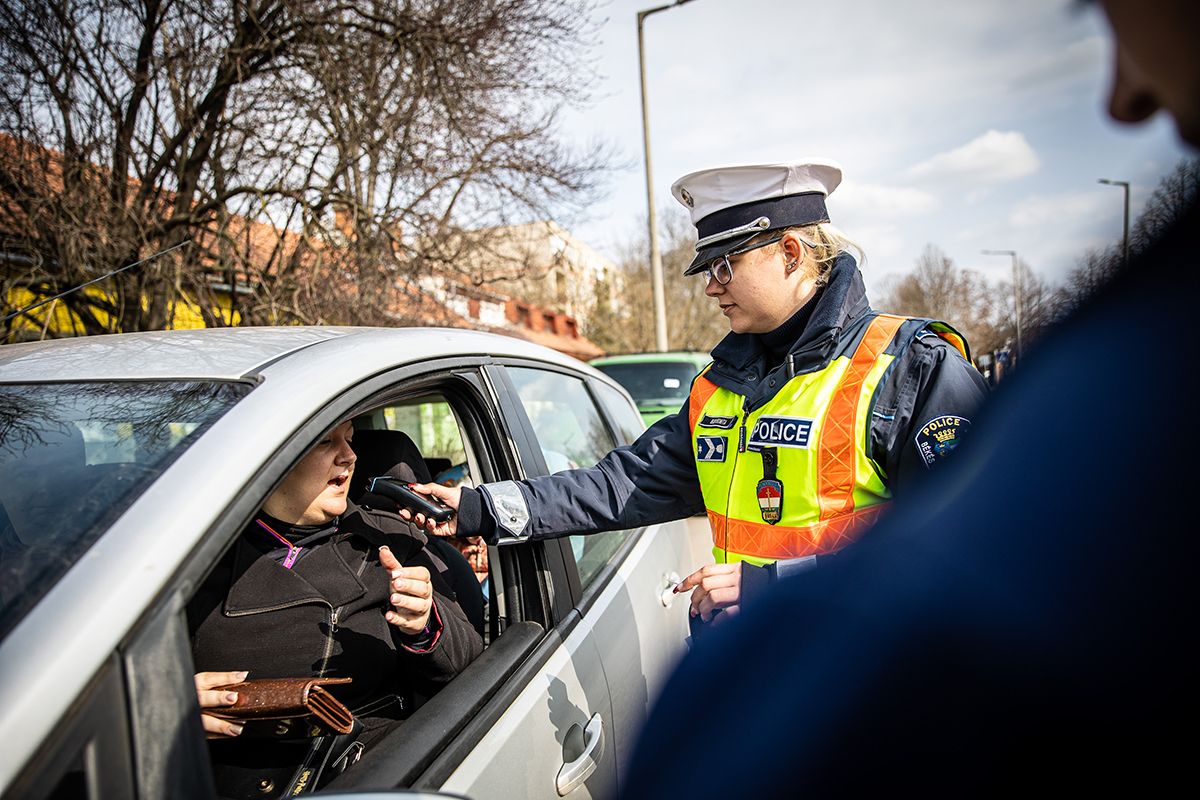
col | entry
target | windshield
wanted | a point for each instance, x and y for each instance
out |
(653, 383)
(73, 457)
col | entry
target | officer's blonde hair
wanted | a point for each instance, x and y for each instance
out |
(825, 243)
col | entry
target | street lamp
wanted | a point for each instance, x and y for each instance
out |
(656, 270)
(1125, 237)
(1016, 289)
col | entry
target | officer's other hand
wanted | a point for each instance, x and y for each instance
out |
(412, 594)
(714, 587)
(211, 697)
(448, 495)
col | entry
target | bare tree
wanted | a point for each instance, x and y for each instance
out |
(693, 321)
(1096, 268)
(1093, 270)
(319, 152)
(938, 289)
(1174, 194)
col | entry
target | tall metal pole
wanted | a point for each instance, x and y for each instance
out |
(1125, 229)
(656, 268)
(1016, 290)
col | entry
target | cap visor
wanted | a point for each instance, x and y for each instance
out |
(708, 254)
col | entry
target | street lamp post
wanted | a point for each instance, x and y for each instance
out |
(656, 269)
(1016, 289)
(1125, 236)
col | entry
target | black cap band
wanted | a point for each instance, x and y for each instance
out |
(784, 212)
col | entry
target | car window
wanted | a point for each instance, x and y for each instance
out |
(626, 418)
(434, 437)
(74, 456)
(571, 433)
(569, 428)
(433, 427)
(654, 382)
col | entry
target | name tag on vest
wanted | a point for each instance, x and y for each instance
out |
(721, 423)
(780, 432)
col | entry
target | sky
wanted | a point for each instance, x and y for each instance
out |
(971, 125)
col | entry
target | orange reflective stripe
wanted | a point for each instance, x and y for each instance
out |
(761, 540)
(702, 390)
(836, 455)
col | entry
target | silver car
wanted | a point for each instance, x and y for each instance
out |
(130, 463)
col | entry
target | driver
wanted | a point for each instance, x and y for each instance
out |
(319, 587)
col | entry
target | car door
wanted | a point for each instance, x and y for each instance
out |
(640, 624)
(558, 726)
(616, 580)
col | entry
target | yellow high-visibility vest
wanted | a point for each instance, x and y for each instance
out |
(792, 478)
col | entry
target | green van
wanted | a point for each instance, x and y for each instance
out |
(658, 382)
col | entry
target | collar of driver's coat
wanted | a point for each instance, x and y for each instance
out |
(262, 584)
(739, 356)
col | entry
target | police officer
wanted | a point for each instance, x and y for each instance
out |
(814, 409)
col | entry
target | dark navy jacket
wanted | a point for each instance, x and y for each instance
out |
(1023, 622)
(654, 479)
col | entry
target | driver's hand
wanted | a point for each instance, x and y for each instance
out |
(412, 594)
(448, 495)
(715, 587)
(210, 697)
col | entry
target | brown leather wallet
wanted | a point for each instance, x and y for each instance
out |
(286, 698)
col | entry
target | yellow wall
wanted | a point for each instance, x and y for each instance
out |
(58, 320)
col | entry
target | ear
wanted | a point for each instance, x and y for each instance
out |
(794, 249)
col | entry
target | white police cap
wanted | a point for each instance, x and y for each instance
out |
(731, 205)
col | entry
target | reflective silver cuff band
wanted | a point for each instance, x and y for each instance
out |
(760, 224)
(511, 512)
(792, 566)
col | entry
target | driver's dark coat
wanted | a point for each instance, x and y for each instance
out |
(253, 614)
(654, 479)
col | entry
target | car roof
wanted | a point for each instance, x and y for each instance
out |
(692, 356)
(239, 353)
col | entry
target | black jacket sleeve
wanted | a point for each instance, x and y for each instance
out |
(454, 643)
(925, 407)
(652, 480)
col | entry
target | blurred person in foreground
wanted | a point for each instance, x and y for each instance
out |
(1042, 646)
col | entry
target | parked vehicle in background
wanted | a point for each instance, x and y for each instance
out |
(131, 464)
(658, 382)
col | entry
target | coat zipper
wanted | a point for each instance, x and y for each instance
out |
(333, 621)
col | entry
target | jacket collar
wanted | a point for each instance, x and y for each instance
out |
(739, 357)
(260, 583)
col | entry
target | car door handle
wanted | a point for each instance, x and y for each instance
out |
(667, 596)
(576, 772)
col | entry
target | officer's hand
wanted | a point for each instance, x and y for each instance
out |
(412, 594)
(715, 587)
(210, 697)
(449, 496)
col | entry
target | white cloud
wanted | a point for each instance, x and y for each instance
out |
(873, 200)
(1062, 211)
(994, 157)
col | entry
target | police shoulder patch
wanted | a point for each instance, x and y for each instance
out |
(710, 448)
(939, 436)
(720, 423)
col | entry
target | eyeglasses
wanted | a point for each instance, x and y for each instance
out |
(722, 271)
